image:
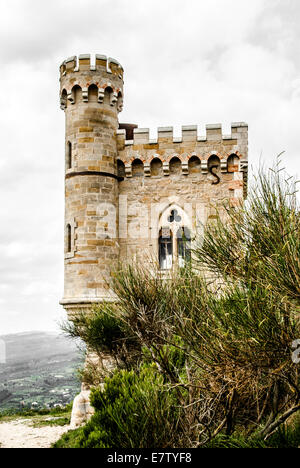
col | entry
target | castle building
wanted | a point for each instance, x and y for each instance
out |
(126, 194)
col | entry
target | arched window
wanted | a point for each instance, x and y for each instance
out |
(156, 167)
(233, 163)
(69, 238)
(183, 246)
(214, 166)
(69, 155)
(77, 94)
(175, 166)
(64, 99)
(108, 95)
(165, 249)
(214, 160)
(120, 102)
(93, 93)
(194, 165)
(121, 168)
(137, 168)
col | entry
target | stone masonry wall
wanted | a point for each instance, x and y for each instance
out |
(175, 173)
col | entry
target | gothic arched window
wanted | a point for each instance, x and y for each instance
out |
(165, 249)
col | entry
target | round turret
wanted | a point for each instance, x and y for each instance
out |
(92, 97)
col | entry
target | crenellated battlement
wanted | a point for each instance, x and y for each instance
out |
(83, 63)
(189, 154)
(82, 81)
(189, 135)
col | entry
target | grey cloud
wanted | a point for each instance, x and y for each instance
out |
(278, 28)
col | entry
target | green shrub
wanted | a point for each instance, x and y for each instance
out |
(134, 410)
(71, 439)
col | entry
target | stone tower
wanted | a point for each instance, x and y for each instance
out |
(91, 96)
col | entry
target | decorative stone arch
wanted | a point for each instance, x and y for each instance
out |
(214, 159)
(156, 156)
(212, 153)
(194, 164)
(137, 156)
(174, 155)
(107, 84)
(119, 100)
(193, 155)
(75, 95)
(233, 163)
(91, 83)
(110, 94)
(173, 221)
(236, 153)
(175, 207)
(124, 160)
(214, 167)
(137, 167)
(174, 166)
(156, 167)
(92, 92)
(63, 99)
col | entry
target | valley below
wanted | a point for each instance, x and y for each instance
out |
(40, 371)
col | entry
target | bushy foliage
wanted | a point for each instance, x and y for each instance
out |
(219, 334)
(134, 410)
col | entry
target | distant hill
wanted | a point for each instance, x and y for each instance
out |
(41, 368)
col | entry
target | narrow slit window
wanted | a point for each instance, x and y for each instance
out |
(69, 155)
(165, 250)
(69, 238)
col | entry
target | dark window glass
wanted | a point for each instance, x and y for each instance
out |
(69, 239)
(69, 155)
(184, 247)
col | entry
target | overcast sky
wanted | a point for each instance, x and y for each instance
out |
(186, 63)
